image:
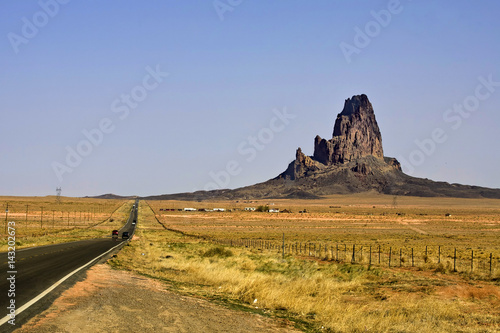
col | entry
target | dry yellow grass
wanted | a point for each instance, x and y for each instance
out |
(362, 220)
(68, 220)
(365, 218)
(319, 297)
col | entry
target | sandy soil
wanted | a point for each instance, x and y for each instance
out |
(117, 301)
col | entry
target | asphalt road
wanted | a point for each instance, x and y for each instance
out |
(39, 268)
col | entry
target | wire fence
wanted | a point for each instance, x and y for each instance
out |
(437, 258)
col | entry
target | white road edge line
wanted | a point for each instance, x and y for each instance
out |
(48, 290)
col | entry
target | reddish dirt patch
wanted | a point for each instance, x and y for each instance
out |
(117, 301)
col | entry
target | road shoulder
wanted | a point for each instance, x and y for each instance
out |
(113, 301)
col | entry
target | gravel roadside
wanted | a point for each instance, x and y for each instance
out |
(117, 301)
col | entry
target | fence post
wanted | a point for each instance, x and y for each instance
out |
(491, 257)
(400, 257)
(337, 253)
(412, 262)
(455, 260)
(353, 260)
(472, 261)
(439, 254)
(370, 262)
(390, 253)
(283, 245)
(426, 251)
(345, 252)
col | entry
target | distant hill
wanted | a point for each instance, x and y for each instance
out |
(111, 196)
(351, 161)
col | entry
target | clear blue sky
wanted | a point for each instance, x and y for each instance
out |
(230, 69)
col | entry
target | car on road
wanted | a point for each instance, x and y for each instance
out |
(114, 234)
(125, 235)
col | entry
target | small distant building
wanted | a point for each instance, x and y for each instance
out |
(273, 210)
(190, 209)
(250, 209)
(219, 209)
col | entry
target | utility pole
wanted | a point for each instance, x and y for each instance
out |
(6, 217)
(27, 207)
(395, 201)
(53, 218)
(41, 219)
(58, 195)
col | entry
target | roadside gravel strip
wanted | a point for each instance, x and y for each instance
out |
(118, 301)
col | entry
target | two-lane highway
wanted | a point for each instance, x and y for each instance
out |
(38, 270)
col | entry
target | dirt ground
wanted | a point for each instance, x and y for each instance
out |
(118, 301)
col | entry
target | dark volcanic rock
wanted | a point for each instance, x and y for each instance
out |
(393, 162)
(352, 161)
(301, 166)
(362, 168)
(355, 134)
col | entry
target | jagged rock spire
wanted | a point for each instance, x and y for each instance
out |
(355, 134)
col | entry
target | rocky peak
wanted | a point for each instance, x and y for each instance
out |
(300, 166)
(355, 134)
(356, 143)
